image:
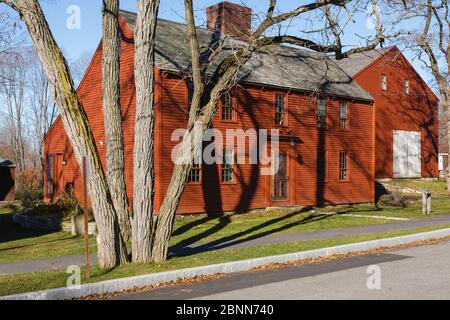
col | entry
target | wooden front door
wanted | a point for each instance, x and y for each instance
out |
(281, 179)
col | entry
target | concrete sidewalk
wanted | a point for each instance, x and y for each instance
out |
(232, 242)
(59, 263)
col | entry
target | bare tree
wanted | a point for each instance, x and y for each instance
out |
(115, 160)
(14, 68)
(208, 91)
(111, 247)
(79, 66)
(143, 130)
(44, 110)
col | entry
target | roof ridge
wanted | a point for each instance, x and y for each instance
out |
(162, 19)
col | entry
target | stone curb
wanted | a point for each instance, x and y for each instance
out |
(116, 285)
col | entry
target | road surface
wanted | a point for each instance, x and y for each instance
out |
(414, 273)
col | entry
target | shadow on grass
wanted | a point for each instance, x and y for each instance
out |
(183, 248)
(9, 231)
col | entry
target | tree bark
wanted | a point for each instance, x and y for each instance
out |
(110, 245)
(197, 124)
(115, 160)
(143, 171)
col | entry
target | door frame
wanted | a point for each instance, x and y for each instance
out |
(291, 178)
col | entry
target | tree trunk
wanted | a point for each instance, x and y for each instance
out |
(110, 245)
(446, 108)
(190, 144)
(199, 120)
(143, 174)
(115, 160)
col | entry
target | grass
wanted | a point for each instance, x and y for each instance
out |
(51, 279)
(438, 187)
(18, 244)
(412, 211)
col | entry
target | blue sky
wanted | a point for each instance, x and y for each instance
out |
(75, 42)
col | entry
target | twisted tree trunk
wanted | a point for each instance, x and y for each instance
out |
(143, 174)
(110, 244)
(115, 161)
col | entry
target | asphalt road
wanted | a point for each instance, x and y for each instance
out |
(415, 273)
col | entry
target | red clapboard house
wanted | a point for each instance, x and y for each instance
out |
(325, 119)
(406, 113)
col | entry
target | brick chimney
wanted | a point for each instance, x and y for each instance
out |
(231, 19)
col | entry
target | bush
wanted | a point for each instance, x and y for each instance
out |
(46, 210)
(68, 202)
(30, 198)
(29, 188)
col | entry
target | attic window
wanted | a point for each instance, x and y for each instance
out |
(383, 82)
(406, 86)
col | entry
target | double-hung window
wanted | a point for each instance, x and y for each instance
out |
(228, 108)
(280, 109)
(343, 116)
(343, 166)
(227, 165)
(195, 175)
(321, 113)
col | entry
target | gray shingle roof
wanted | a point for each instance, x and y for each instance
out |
(278, 66)
(358, 61)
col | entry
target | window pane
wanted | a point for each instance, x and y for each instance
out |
(196, 170)
(321, 113)
(343, 166)
(343, 115)
(384, 82)
(279, 109)
(190, 89)
(227, 166)
(227, 106)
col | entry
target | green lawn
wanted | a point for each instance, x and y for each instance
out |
(52, 279)
(18, 244)
(438, 187)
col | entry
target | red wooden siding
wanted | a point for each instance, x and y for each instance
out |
(255, 109)
(395, 110)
